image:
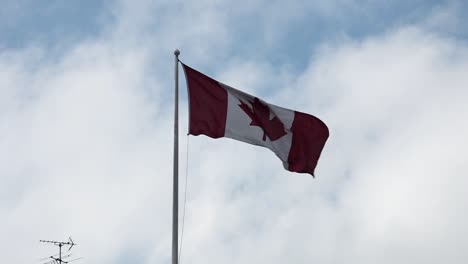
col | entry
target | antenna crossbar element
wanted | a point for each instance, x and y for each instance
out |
(60, 244)
(66, 262)
(55, 256)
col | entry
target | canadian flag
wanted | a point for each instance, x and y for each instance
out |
(217, 110)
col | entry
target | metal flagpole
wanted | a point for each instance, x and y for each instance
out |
(175, 194)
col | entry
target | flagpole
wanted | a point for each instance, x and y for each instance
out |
(175, 194)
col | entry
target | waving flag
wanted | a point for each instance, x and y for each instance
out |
(217, 110)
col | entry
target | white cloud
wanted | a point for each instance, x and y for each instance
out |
(390, 182)
(86, 149)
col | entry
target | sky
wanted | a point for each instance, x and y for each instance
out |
(86, 119)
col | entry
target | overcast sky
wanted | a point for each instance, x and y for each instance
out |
(86, 117)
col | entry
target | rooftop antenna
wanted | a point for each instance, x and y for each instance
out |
(60, 244)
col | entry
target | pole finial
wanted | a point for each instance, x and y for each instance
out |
(177, 52)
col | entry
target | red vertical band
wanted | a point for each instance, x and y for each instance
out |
(207, 104)
(309, 137)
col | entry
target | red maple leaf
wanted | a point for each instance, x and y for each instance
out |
(260, 115)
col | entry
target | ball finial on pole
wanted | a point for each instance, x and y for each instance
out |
(177, 52)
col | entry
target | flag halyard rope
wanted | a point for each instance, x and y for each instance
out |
(185, 198)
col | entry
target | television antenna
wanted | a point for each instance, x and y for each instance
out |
(60, 258)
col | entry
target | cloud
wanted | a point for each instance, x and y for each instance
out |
(86, 145)
(390, 181)
(401, 96)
